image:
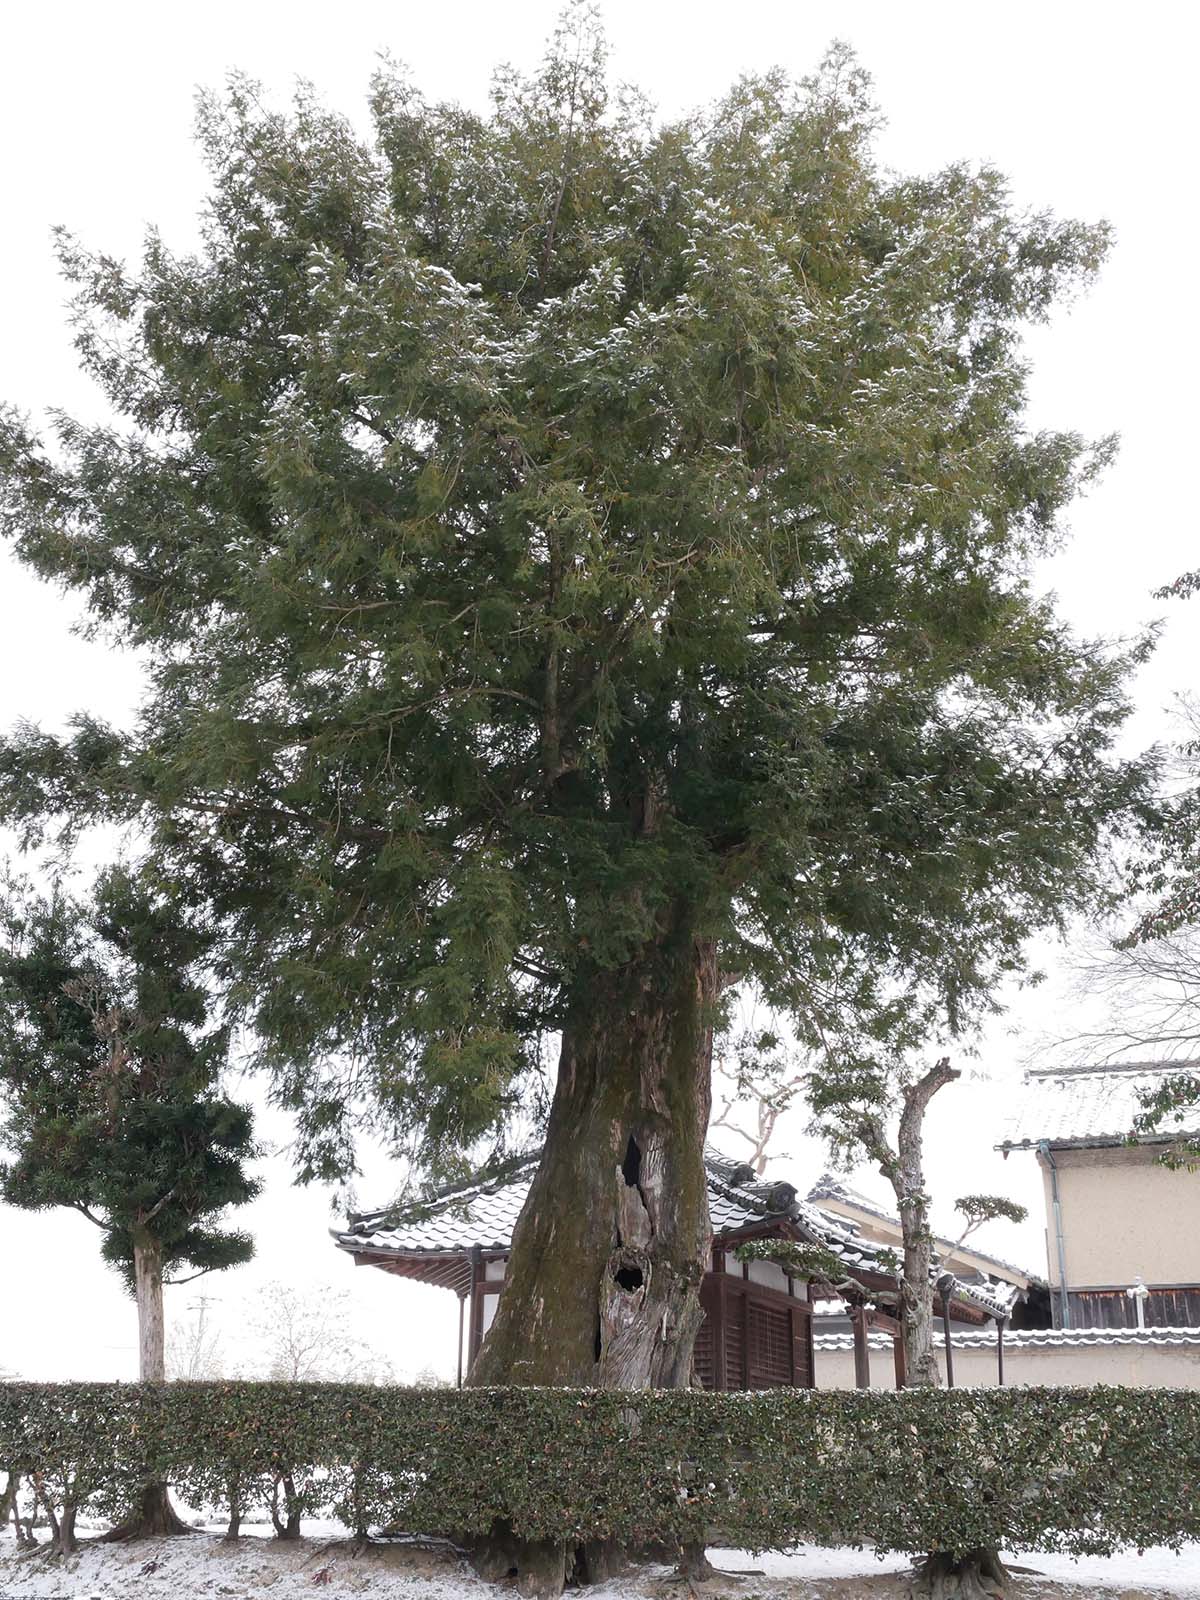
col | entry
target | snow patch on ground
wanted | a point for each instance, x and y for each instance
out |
(204, 1567)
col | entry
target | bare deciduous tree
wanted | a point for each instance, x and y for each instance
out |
(194, 1352)
(756, 1071)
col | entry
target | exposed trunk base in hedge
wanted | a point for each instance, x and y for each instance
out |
(978, 1575)
(155, 1518)
(538, 1566)
(541, 1568)
(600, 1560)
(62, 1527)
(286, 1523)
(694, 1565)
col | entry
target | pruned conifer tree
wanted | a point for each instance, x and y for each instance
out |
(110, 1095)
(583, 565)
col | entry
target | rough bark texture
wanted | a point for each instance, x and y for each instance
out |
(148, 1287)
(62, 1524)
(156, 1516)
(979, 1575)
(940, 1576)
(285, 1508)
(603, 1283)
(8, 1500)
(10, 1507)
(916, 1290)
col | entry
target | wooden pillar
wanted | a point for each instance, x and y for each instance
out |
(809, 1334)
(1000, 1351)
(462, 1305)
(899, 1359)
(745, 1327)
(719, 1320)
(949, 1345)
(476, 1319)
(862, 1353)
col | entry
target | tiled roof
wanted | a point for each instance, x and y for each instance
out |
(1095, 1104)
(1029, 1338)
(485, 1214)
(482, 1214)
(830, 1187)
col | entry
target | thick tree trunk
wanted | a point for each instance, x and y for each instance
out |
(603, 1282)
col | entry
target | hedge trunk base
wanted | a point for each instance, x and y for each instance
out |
(286, 1522)
(694, 1565)
(978, 1575)
(155, 1518)
(599, 1560)
(538, 1566)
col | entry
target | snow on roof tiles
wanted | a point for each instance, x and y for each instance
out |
(486, 1212)
(1093, 1105)
(830, 1187)
(1028, 1338)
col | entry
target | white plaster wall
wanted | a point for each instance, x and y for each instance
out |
(769, 1274)
(1124, 1215)
(1142, 1366)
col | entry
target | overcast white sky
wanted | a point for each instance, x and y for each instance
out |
(1086, 106)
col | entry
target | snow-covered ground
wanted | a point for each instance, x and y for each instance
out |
(204, 1568)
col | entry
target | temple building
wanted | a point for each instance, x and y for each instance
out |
(760, 1318)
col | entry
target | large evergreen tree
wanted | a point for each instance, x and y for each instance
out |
(582, 566)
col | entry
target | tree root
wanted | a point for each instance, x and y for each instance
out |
(155, 1518)
(978, 1575)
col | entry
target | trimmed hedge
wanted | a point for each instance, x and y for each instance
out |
(1077, 1470)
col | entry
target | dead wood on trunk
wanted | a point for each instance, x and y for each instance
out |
(903, 1167)
(979, 1574)
(603, 1282)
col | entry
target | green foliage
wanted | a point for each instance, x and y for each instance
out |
(549, 527)
(109, 1076)
(1176, 1100)
(1077, 1470)
(804, 1261)
(977, 1209)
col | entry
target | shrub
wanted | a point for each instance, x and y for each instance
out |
(1075, 1470)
